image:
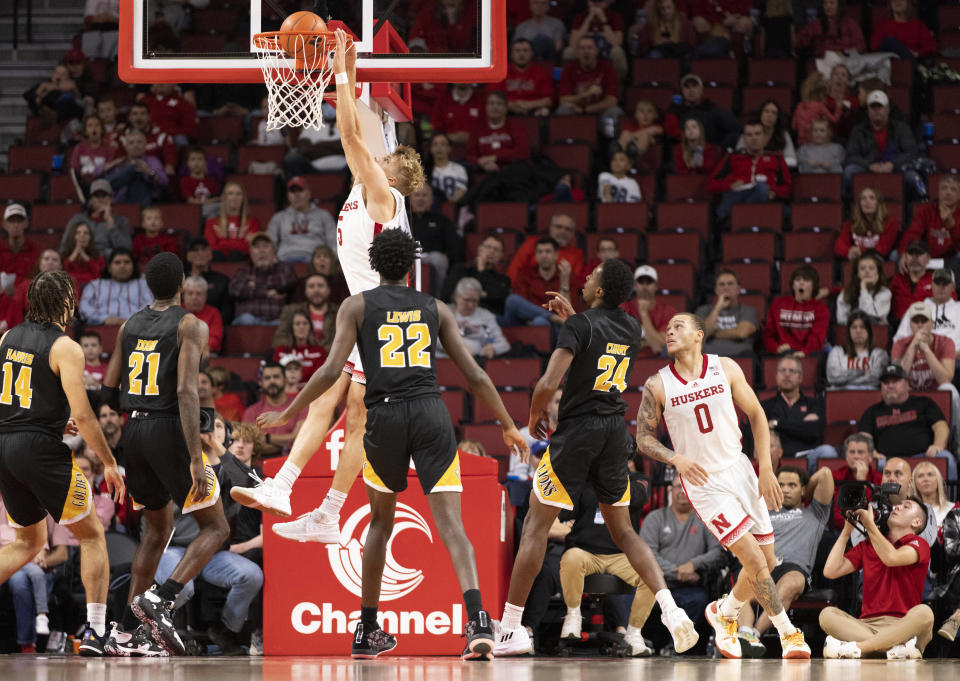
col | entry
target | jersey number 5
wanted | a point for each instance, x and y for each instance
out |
(136, 362)
(391, 352)
(21, 386)
(611, 374)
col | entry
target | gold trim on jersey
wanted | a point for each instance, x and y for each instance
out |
(213, 491)
(450, 481)
(371, 478)
(547, 486)
(77, 505)
(625, 499)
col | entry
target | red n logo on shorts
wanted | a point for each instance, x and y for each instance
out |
(721, 523)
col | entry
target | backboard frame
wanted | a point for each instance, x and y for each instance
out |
(134, 66)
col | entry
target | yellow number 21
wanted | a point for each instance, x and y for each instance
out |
(136, 362)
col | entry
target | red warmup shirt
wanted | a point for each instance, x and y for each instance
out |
(452, 116)
(575, 79)
(145, 247)
(199, 188)
(890, 590)
(802, 326)
(84, 272)
(660, 315)
(882, 243)
(913, 33)
(214, 321)
(526, 256)
(524, 85)
(745, 168)
(232, 241)
(173, 114)
(927, 224)
(508, 142)
(904, 292)
(20, 263)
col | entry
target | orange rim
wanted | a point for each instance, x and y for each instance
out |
(271, 40)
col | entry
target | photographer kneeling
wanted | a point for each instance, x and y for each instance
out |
(893, 620)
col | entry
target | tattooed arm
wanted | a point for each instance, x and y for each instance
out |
(648, 418)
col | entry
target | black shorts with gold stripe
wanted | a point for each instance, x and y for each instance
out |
(594, 448)
(38, 475)
(418, 429)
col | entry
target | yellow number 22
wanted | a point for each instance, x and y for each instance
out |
(391, 352)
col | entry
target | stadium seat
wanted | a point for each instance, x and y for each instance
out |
(449, 376)
(219, 129)
(507, 215)
(678, 301)
(648, 187)
(834, 464)
(644, 368)
(259, 188)
(749, 247)
(686, 188)
(901, 73)
(847, 406)
(537, 336)
(248, 340)
(327, 186)
(810, 373)
(580, 212)
(715, 72)
(663, 73)
(570, 129)
(770, 72)
(517, 404)
(264, 211)
(490, 436)
(454, 401)
(945, 128)
(808, 246)
(941, 464)
(513, 373)
(26, 187)
(181, 217)
(674, 247)
(817, 217)
(131, 211)
(757, 217)
(723, 96)
(662, 97)
(575, 157)
(758, 302)
(900, 98)
(946, 156)
(221, 153)
(35, 158)
(62, 189)
(53, 216)
(684, 217)
(881, 335)
(890, 184)
(633, 400)
(755, 276)
(755, 95)
(534, 129)
(49, 239)
(824, 271)
(108, 336)
(817, 188)
(628, 243)
(677, 278)
(37, 132)
(747, 367)
(249, 153)
(948, 18)
(622, 217)
(247, 368)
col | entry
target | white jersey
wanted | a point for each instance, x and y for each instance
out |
(355, 232)
(700, 416)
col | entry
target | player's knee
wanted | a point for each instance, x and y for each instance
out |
(571, 560)
(826, 617)
(31, 544)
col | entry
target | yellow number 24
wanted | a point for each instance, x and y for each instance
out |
(607, 364)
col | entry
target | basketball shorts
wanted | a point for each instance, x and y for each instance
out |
(38, 475)
(730, 505)
(419, 430)
(158, 465)
(354, 366)
(594, 448)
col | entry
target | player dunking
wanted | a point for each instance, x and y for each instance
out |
(696, 395)
(396, 329)
(156, 364)
(375, 203)
(42, 384)
(592, 443)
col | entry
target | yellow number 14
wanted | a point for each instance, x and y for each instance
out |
(21, 386)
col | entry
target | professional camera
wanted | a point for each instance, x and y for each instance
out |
(852, 496)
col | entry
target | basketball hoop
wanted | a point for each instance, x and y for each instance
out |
(297, 67)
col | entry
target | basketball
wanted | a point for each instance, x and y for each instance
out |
(303, 48)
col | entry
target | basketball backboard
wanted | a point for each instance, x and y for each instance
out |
(398, 41)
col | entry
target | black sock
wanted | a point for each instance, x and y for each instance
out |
(471, 599)
(129, 621)
(368, 618)
(169, 590)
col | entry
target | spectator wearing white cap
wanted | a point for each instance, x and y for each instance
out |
(653, 316)
(883, 145)
(301, 226)
(109, 231)
(18, 255)
(946, 309)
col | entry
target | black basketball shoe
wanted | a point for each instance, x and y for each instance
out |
(368, 644)
(91, 645)
(480, 639)
(138, 643)
(158, 615)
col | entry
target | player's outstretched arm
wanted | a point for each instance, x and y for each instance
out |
(546, 387)
(380, 203)
(746, 400)
(193, 337)
(480, 383)
(648, 420)
(66, 360)
(348, 321)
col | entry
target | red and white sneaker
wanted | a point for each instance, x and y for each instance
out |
(724, 632)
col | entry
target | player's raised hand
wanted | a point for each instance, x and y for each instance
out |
(559, 305)
(340, 53)
(770, 490)
(270, 419)
(198, 473)
(516, 444)
(691, 471)
(115, 485)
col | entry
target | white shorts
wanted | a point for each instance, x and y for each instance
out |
(354, 367)
(730, 505)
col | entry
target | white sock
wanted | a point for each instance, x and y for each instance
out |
(782, 623)
(512, 614)
(330, 508)
(287, 475)
(730, 607)
(573, 612)
(633, 631)
(97, 617)
(665, 599)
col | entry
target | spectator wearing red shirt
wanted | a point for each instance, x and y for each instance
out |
(18, 254)
(529, 287)
(720, 26)
(694, 155)
(94, 368)
(841, 102)
(901, 34)
(753, 176)
(588, 84)
(640, 137)
(171, 113)
(870, 227)
(229, 234)
(295, 339)
(938, 222)
(154, 238)
(457, 111)
(563, 230)
(528, 86)
(92, 156)
(915, 283)
(830, 31)
(195, 301)
(11, 312)
(447, 26)
(894, 571)
(797, 324)
(605, 26)
(81, 259)
(926, 357)
(273, 398)
(653, 316)
(198, 186)
(228, 405)
(159, 143)
(497, 140)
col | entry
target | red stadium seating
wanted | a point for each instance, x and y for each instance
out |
(108, 336)
(890, 185)
(757, 276)
(55, 216)
(327, 186)
(218, 129)
(817, 188)
(849, 405)
(663, 73)
(39, 133)
(674, 247)
(660, 96)
(259, 188)
(517, 404)
(881, 335)
(247, 154)
(685, 216)
(25, 187)
(946, 156)
(677, 277)
(569, 129)
(502, 215)
(644, 368)
(808, 246)
(715, 72)
(532, 126)
(575, 157)
(810, 374)
(946, 98)
(817, 217)
(754, 217)
(491, 437)
(181, 217)
(449, 376)
(622, 217)
(247, 368)
(513, 373)
(37, 158)
(755, 95)
(723, 96)
(769, 72)
(62, 189)
(248, 340)
(454, 401)
(537, 336)
(749, 247)
(687, 188)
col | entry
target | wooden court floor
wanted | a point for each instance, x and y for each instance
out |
(39, 668)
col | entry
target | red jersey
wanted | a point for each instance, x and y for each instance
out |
(508, 141)
(97, 371)
(905, 292)
(173, 114)
(530, 285)
(882, 243)
(890, 590)
(145, 247)
(927, 225)
(20, 263)
(214, 321)
(202, 188)
(660, 315)
(526, 256)
(84, 272)
(802, 326)
(235, 239)
(913, 33)
(524, 85)
(229, 407)
(575, 79)
(452, 116)
(738, 167)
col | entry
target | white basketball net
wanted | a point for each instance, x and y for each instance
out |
(294, 96)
